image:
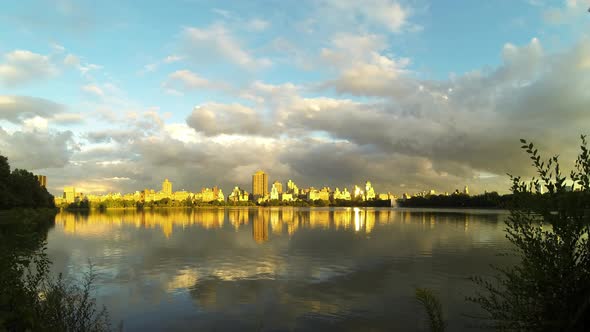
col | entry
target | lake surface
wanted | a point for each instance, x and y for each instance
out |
(280, 269)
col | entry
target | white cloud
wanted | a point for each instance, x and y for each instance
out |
(360, 65)
(186, 80)
(571, 12)
(172, 58)
(215, 41)
(22, 66)
(151, 67)
(72, 60)
(16, 109)
(386, 13)
(93, 89)
(214, 119)
(57, 47)
(257, 24)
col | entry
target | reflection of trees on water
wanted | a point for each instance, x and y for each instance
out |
(22, 240)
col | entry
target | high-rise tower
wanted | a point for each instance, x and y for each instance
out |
(279, 186)
(42, 179)
(259, 184)
(167, 187)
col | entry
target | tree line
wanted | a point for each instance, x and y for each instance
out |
(491, 200)
(20, 189)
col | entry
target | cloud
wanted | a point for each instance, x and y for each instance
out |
(389, 14)
(186, 80)
(35, 150)
(67, 118)
(216, 41)
(570, 13)
(257, 24)
(150, 67)
(72, 60)
(18, 108)
(360, 65)
(22, 67)
(172, 58)
(93, 89)
(215, 119)
(373, 117)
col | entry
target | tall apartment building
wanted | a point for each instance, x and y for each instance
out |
(259, 184)
(279, 186)
(42, 180)
(167, 188)
(69, 194)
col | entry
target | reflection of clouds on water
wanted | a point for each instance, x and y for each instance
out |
(286, 267)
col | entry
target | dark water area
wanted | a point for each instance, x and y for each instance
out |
(280, 269)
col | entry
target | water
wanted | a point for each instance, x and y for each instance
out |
(279, 269)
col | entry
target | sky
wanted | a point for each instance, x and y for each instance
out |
(412, 95)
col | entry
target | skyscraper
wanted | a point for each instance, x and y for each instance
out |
(259, 184)
(466, 190)
(69, 194)
(167, 188)
(42, 180)
(279, 186)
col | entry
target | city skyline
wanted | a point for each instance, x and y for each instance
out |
(116, 95)
(258, 195)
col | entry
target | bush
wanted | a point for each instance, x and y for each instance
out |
(30, 299)
(549, 290)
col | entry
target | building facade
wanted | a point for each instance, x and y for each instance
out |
(42, 179)
(259, 184)
(167, 187)
(277, 184)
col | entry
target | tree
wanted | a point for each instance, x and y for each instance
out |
(21, 189)
(549, 290)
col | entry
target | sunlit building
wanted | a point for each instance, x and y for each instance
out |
(42, 179)
(312, 194)
(181, 195)
(287, 197)
(259, 184)
(466, 190)
(358, 193)
(292, 188)
(279, 186)
(324, 194)
(341, 195)
(369, 191)
(69, 195)
(167, 188)
(274, 192)
(210, 195)
(238, 195)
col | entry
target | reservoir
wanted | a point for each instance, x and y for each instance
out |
(280, 269)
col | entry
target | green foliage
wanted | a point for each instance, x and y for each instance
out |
(20, 189)
(30, 300)
(549, 290)
(433, 308)
(487, 200)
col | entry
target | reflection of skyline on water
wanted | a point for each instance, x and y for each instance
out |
(282, 268)
(265, 222)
